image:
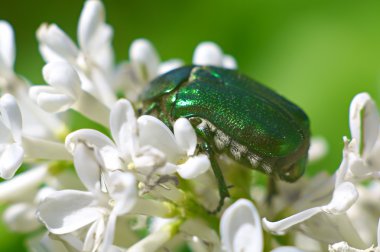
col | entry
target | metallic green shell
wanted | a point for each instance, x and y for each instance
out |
(166, 83)
(252, 115)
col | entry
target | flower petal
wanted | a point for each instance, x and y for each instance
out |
(148, 158)
(208, 53)
(344, 196)
(169, 65)
(50, 100)
(87, 167)
(91, 137)
(152, 242)
(57, 41)
(91, 18)
(62, 76)
(122, 189)
(94, 236)
(11, 115)
(145, 59)
(194, 167)
(364, 122)
(68, 210)
(23, 184)
(318, 148)
(109, 233)
(155, 133)
(7, 46)
(279, 227)
(240, 228)
(111, 158)
(229, 62)
(21, 217)
(185, 135)
(123, 125)
(48, 54)
(10, 160)
(378, 233)
(287, 249)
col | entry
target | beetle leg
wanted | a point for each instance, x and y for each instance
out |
(163, 117)
(149, 109)
(272, 190)
(154, 108)
(223, 190)
(205, 133)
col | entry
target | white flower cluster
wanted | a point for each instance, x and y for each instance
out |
(140, 186)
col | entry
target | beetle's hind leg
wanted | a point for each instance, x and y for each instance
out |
(222, 187)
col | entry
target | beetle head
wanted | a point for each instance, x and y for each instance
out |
(293, 172)
(292, 167)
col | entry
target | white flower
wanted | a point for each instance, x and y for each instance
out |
(11, 151)
(7, 50)
(21, 217)
(179, 147)
(345, 247)
(209, 53)
(37, 123)
(366, 212)
(93, 60)
(23, 186)
(66, 211)
(126, 149)
(155, 240)
(14, 145)
(145, 63)
(240, 228)
(144, 66)
(318, 149)
(147, 144)
(64, 92)
(344, 196)
(364, 148)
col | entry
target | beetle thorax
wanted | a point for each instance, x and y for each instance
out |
(239, 152)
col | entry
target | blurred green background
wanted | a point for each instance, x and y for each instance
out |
(318, 54)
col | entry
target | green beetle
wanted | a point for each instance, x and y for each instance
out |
(234, 114)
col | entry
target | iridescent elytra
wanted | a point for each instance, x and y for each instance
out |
(234, 114)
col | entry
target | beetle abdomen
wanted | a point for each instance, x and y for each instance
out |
(238, 152)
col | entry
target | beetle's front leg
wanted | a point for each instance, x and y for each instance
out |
(155, 109)
(149, 109)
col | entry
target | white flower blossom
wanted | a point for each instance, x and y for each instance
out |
(147, 144)
(364, 147)
(145, 63)
(66, 211)
(345, 247)
(344, 196)
(14, 145)
(21, 217)
(318, 149)
(36, 122)
(93, 60)
(240, 228)
(209, 53)
(64, 92)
